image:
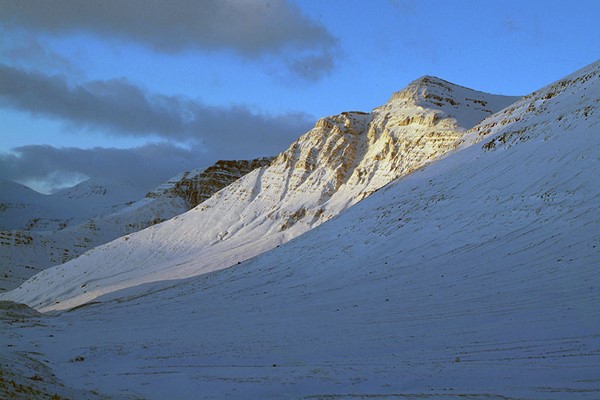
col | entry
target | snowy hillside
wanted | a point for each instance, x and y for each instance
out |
(343, 159)
(26, 252)
(475, 277)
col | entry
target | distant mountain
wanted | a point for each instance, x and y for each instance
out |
(50, 241)
(474, 277)
(12, 192)
(24, 209)
(342, 160)
(17, 203)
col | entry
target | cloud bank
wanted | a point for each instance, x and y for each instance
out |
(118, 107)
(250, 28)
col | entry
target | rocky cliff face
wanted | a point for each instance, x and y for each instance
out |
(343, 159)
(196, 186)
(30, 250)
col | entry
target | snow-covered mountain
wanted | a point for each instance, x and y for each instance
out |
(475, 277)
(24, 209)
(28, 251)
(343, 159)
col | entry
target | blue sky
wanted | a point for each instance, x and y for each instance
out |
(164, 86)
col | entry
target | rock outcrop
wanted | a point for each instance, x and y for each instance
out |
(196, 186)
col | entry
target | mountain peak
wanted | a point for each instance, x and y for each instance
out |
(419, 88)
(466, 106)
(430, 80)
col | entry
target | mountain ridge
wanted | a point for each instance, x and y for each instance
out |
(342, 160)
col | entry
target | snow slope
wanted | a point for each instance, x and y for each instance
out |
(26, 252)
(475, 277)
(343, 159)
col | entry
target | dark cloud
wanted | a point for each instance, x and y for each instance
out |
(120, 108)
(237, 133)
(31, 52)
(194, 134)
(115, 105)
(249, 28)
(53, 167)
